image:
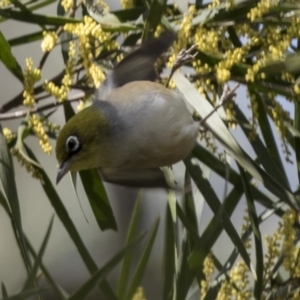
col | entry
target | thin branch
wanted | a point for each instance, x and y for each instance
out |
(23, 113)
(226, 96)
(183, 57)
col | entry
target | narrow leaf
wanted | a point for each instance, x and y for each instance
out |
(60, 293)
(27, 38)
(98, 199)
(64, 217)
(4, 291)
(9, 60)
(215, 205)
(37, 18)
(101, 274)
(221, 132)
(32, 276)
(258, 286)
(169, 256)
(9, 190)
(267, 155)
(156, 11)
(140, 270)
(132, 231)
(26, 294)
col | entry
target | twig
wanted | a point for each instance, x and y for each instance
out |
(23, 113)
(183, 57)
(226, 96)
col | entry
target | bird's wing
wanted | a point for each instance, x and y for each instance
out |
(138, 65)
(150, 178)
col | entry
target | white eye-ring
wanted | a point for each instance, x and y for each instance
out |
(72, 143)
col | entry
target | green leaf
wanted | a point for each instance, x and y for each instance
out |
(189, 206)
(268, 155)
(26, 294)
(291, 64)
(258, 286)
(32, 276)
(4, 203)
(60, 293)
(141, 267)
(233, 177)
(27, 38)
(26, 12)
(189, 226)
(186, 275)
(101, 274)
(64, 217)
(297, 138)
(215, 205)
(65, 37)
(98, 199)
(40, 4)
(37, 18)
(132, 232)
(95, 190)
(156, 11)
(169, 256)
(8, 59)
(221, 132)
(4, 291)
(131, 14)
(9, 190)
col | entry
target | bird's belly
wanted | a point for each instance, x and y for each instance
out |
(158, 149)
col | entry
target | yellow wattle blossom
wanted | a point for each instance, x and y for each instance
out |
(230, 4)
(208, 270)
(272, 254)
(89, 35)
(49, 40)
(261, 8)
(39, 130)
(67, 4)
(31, 76)
(126, 4)
(8, 134)
(4, 3)
(139, 294)
(60, 93)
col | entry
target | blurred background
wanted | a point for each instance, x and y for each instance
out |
(61, 257)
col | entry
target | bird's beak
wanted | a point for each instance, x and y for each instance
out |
(63, 170)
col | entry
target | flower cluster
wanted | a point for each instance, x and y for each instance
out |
(31, 76)
(126, 4)
(8, 134)
(49, 41)
(90, 37)
(139, 294)
(67, 4)
(39, 130)
(208, 270)
(61, 92)
(4, 3)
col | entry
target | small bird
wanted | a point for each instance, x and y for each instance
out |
(133, 128)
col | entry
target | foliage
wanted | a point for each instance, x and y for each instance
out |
(251, 43)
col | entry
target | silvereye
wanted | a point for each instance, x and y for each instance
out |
(133, 128)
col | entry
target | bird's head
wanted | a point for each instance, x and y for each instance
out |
(79, 142)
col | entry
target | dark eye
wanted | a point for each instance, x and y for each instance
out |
(72, 144)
